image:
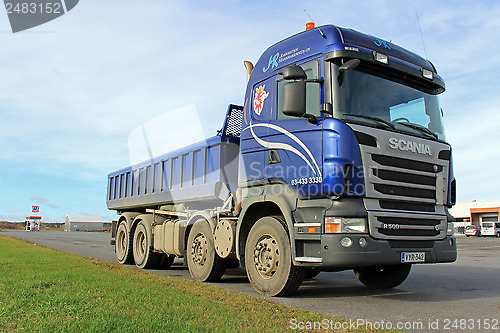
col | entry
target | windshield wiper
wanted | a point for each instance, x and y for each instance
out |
(379, 120)
(420, 128)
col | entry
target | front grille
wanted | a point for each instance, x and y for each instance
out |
(410, 233)
(403, 205)
(408, 221)
(405, 177)
(406, 163)
(407, 226)
(405, 190)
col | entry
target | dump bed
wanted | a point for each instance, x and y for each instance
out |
(201, 175)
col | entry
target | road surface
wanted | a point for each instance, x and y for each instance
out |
(433, 296)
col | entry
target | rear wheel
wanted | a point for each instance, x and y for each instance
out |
(203, 261)
(123, 245)
(268, 258)
(383, 277)
(144, 256)
(498, 234)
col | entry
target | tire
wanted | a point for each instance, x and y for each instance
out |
(144, 257)
(268, 258)
(202, 260)
(166, 261)
(311, 273)
(123, 245)
(383, 277)
(498, 234)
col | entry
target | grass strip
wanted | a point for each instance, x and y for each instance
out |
(45, 290)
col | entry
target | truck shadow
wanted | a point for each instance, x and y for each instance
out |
(420, 287)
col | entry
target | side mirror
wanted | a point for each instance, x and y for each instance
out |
(293, 72)
(294, 98)
(351, 64)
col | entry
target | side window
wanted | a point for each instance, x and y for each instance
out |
(313, 91)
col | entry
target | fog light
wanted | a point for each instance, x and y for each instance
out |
(346, 242)
(362, 242)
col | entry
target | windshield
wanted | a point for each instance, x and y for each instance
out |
(374, 101)
(488, 225)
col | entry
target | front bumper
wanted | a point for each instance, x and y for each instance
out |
(379, 252)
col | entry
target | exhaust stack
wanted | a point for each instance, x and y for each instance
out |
(249, 67)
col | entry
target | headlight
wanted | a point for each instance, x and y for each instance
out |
(345, 225)
(451, 229)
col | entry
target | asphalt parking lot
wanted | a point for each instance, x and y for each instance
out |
(436, 298)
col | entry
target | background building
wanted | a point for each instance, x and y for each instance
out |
(83, 223)
(475, 212)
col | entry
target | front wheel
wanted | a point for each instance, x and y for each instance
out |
(383, 277)
(268, 258)
(498, 234)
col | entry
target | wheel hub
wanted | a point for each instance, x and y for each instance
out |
(121, 243)
(199, 250)
(141, 244)
(267, 256)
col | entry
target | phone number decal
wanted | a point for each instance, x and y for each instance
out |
(306, 180)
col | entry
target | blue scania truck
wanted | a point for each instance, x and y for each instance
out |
(336, 160)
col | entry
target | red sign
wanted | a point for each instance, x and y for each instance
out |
(35, 209)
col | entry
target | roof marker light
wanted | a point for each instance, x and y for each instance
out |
(381, 58)
(309, 25)
(427, 74)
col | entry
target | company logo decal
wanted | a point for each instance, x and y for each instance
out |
(379, 43)
(279, 145)
(410, 146)
(258, 101)
(273, 62)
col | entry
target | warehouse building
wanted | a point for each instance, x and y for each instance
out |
(475, 212)
(83, 223)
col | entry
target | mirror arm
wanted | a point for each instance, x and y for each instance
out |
(310, 118)
(320, 81)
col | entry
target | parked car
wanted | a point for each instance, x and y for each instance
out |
(472, 230)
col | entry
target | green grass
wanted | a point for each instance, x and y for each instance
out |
(44, 290)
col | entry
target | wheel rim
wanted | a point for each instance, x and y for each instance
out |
(267, 256)
(140, 244)
(199, 250)
(121, 243)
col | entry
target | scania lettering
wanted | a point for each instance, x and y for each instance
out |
(336, 160)
(409, 146)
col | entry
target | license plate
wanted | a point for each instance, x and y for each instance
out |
(412, 257)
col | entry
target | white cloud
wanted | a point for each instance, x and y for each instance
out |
(69, 98)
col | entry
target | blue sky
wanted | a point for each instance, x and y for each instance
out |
(73, 90)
